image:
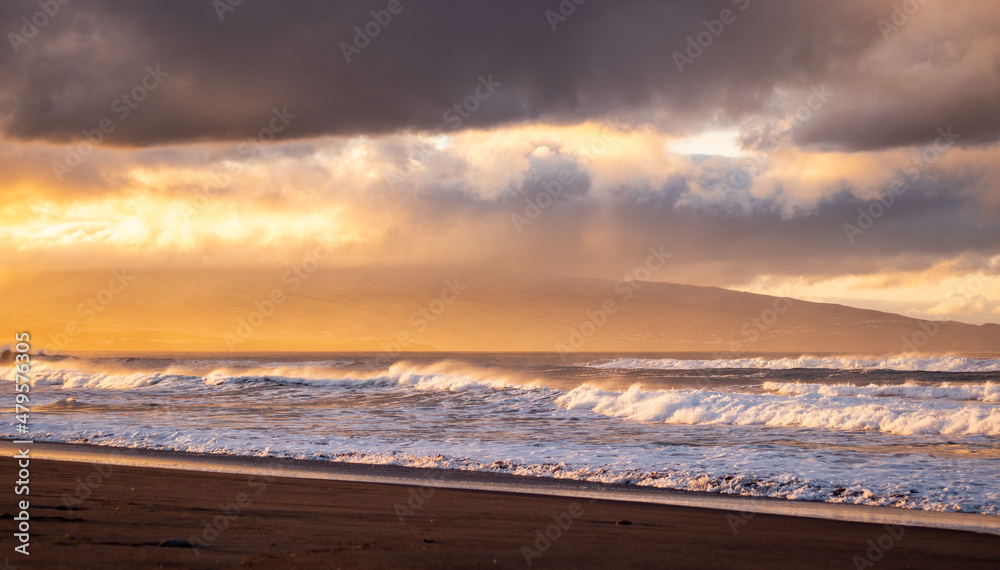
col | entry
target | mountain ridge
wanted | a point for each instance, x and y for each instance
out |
(395, 311)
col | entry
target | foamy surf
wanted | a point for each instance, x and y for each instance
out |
(441, 376)
(925, 439)
(940, 364)
(988, 392)
(808, 409)
(359, 471)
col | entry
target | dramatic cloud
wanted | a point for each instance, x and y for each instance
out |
(574, 200)
(840, 151)
(525, 61)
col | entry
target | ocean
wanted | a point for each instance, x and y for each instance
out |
(918, 433)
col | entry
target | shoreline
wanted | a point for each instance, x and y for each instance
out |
(104, 515)
(485, 481)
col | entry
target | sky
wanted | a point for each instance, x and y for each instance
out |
(832, 151)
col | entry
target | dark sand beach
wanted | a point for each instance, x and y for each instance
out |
(112, 516)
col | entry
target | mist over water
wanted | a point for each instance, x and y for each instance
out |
(906, 432)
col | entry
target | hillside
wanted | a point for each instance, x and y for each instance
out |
(393, 310)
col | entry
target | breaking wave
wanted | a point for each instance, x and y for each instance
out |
(809, 410)
(988, 392)
(439, 376)
(938, 364)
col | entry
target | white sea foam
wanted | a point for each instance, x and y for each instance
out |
(925, 444)
(810, 410)
(988, 392)
(81, 380)
(748, 471)
(439, 376)
(940, 364)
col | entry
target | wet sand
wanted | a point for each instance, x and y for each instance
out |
(113, 516)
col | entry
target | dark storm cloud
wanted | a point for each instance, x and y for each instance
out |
(606, 59)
